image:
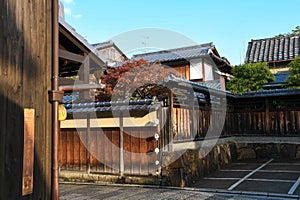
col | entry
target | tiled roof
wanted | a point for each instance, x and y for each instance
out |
(199, 87)
(67, 99)
(177, 54)
(281, 77)
(270, 93)
(103, 44)
(280, 80)
(146, 105)
(273, 49)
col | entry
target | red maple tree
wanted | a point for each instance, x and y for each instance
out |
(137, 79)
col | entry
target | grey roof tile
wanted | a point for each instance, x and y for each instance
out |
(273, 49)
(177, 54)
(132, 105)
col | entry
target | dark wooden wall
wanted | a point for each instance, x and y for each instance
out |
(183, 70)
(139, 146)
(25, 78)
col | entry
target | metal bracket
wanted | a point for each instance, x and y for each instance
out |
(56, 95)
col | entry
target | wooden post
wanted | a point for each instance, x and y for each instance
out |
(170, 119)
(159, 128)
(192, 120)
(84, 74)
(88, 155)
(121, 145)
(203, 70)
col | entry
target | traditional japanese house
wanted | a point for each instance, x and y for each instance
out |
(278, 52)
(199, 63)
(111, 52)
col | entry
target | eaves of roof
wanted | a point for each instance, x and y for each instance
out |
(82, 40)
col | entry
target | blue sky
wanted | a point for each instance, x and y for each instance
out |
(230, 24)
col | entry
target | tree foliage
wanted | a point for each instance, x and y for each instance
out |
(295, 31)
(137, 79)
(249, 77)
(293, 80)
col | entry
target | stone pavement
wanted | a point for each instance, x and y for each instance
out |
(270, 176)
(126, 192)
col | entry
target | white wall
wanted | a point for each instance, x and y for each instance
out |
(208, 66)
(196, 69)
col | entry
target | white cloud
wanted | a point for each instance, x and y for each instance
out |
(68, 1)
(68, 11)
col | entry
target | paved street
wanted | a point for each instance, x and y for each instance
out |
(87, 191)
(264, 179)
(80, 192)
(265, 176)
(118, 192)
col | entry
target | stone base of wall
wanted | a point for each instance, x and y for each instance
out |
(194, 164)
(83, 177)
(270, 150)
(191, 164)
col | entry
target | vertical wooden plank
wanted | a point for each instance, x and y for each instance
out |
(170, 119)
(106, 155)
(263, 123)
(272, 124)
(83, 153)
(88, 155)
(201, 125)
(121, 145)
(259, 125)
(135, 144)
(64, 150)
(292, 122)
(188, 123)
(92, 150)
(298, 122)
(165, 133)
(287, 122)
(101, 149)
(126, 155)
(267, 117)
(180, 124)
(116, 152)
(76, 147)
(142, 159)
(281, 122)
(68, 149)
(109, 151)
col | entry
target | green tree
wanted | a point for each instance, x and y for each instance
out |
(294, 78)
(295, 31)
(249, 77)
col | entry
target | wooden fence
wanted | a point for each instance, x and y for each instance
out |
(252, 117)
(104, 150)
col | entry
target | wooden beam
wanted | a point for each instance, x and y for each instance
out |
(73, 39)
(203, 70)
(70, 56)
